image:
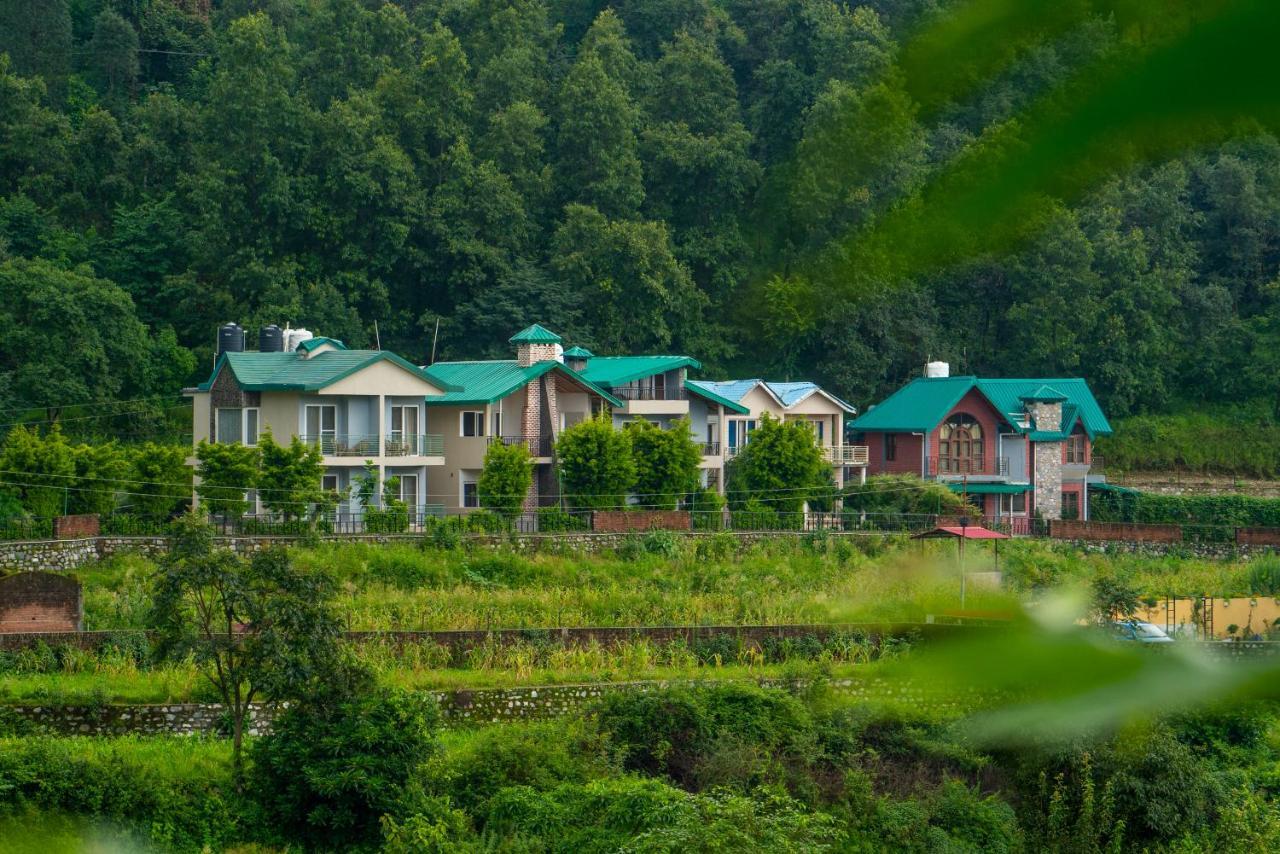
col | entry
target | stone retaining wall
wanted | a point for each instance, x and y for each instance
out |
(457, 708)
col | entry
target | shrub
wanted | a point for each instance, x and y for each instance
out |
(1264, 576)
(596, 467)
(506, 478)
(327, 772)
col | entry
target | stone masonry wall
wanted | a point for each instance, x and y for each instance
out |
(1047, 461)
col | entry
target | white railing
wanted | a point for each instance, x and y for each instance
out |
(846, 455)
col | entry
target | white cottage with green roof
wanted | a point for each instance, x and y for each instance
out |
(354, 405)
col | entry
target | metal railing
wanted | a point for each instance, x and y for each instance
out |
(343, 444)
(846, 455)
(538, 446)
(710, 449)
(642, 393)
(411, 445)
(944, 466)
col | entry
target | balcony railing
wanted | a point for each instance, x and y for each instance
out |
(422, 445)
(957, 466)
(710, 449)
(633, 393)
(343, 444)
(538, 446)
(846, 455)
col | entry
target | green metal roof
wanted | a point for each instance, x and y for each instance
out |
(1044, 394)
(921, 404)
(989, 488)
(579, 353)
(702, 390)
(489, 381)
(610, 371)
(535, 334)
(297, 372)
(313, 343)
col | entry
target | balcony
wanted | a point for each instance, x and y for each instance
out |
(538, 446)
(634, 393)
(846, 455)
(343, 444)
(423, 445)
(960, 467)
(710, 449)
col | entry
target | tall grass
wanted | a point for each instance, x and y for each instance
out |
(1244, 441)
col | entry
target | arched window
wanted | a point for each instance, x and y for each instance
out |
(960, 446)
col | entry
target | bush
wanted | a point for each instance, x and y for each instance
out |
(327, 772)
(506, 478)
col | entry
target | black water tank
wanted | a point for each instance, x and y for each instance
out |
(271, 339)
(230, 338)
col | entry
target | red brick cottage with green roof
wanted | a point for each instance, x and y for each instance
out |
(1016, 447)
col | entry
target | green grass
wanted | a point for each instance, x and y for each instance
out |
(1243, 440)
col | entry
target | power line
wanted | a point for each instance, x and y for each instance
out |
(88, 403)
(77, 418)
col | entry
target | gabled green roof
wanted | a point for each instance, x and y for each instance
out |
(535, 334)
(312, 343)
(578, 353)
(921, 404)
(489, 381)
(610, 371)
(702, 390)
(1044, 394)
(256, 371)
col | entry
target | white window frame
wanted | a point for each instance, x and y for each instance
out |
(497, 423)
(478, 421)
(401, 409)
(306, 421)
(244, 424)
(1006, 504)
(412, 501)
(337, 483)
(465, 480)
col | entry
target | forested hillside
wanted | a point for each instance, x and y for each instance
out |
(642, 175)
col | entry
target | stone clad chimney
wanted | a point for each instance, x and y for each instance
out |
(1044, 414)
(536, 344)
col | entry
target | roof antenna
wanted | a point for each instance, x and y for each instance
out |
(434, 338)
(377, 340)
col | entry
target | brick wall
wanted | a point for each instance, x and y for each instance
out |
(1072, 530)
(1258, 536)
(73, 527)
(621, 521)
(906, 460)
(40, 602)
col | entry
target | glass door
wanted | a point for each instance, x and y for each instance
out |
(322, 427)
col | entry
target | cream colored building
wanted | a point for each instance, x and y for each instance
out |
(357, 406)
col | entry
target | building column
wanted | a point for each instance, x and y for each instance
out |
(378, 423)
(531, 429)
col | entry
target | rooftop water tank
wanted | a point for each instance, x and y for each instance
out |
(294, 337)
(230, 338)
(270, 339)
(937, 369)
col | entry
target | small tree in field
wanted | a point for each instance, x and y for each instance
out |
(506, 478)
(780, 466)
(290, 480)
(257, 629)
(226, 473)
(596, 467)
(666, 462)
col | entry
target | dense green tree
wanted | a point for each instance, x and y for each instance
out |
(113, 55)
(289, 477)
(506, 478)
(595, 464)
(227, 473)
(36, 34)
(666, 462)
(160, 480)
(780, 467)
(38, 471)
(256, 629)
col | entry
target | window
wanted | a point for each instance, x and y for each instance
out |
(234, 426)
(497, 424)
(409, 489)
(322, 427)
(1070, 505)
(960, 446)
(404, 422)
(470, 490)
(819, 430)
(890, 447)
(739, 431)
(568, 419)
(1013, 505)
(1076, 448)
(473, 423)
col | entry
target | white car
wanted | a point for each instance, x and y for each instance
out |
(1134, 630)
